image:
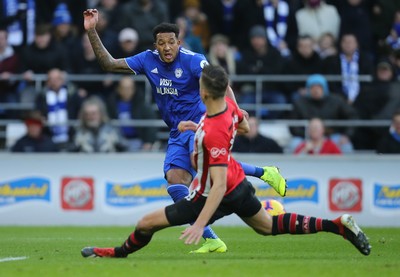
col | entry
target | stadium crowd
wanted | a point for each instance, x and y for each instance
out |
(315, 38)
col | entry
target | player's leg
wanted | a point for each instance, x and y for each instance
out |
(269, 174)
(142, 235)
(179, 174)
(253, 214)
(291, 223)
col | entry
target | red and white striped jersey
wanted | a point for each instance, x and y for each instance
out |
(213, 143)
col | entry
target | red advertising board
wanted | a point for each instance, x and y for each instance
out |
(77, 193)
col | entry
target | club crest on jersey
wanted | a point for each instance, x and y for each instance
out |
(215, 152)
(178, 72)
(203, 63)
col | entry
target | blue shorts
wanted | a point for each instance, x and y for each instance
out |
(178, 153)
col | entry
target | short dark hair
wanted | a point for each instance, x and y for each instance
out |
(215, 80)
(165, 28)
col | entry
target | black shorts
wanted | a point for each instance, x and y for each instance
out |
(241, 201)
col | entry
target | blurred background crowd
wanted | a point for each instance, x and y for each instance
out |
(310, 39)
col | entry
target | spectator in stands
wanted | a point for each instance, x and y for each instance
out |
(316, 142)
(197, 22)
(128, 40)
(254, 142)
(383, 12)
(43, 55)
(393, 39)
(85, 63)
(349, 63)
(232, 18)
(94, 133)
(143, 15)
(58, 103)
(304, 61)
(318, 102)
(317, 18)
(112, 10)
(63, 31)
(9, 65)
(326, 46)
(261, 59)
(355, 18)
(35, 140)
(108, 35)
(188, 40)
(126, 104)
(280, 24)
(19, 18)
(390, 143)
(221, 53)
(378, 100)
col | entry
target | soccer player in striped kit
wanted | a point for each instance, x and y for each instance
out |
(220, 187)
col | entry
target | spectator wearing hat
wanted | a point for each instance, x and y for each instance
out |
(34, 140)
(128, 41)
(63, 31)
(261, 59)
(319, 102)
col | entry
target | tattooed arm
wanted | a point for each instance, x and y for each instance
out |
(106, 61)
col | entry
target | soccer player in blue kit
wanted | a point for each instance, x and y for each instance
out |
(174, 74)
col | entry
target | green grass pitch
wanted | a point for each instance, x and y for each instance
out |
(55, 251)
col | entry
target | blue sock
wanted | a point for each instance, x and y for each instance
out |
(252, 170)
(179, 191)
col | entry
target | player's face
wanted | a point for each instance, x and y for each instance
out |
(167, 45)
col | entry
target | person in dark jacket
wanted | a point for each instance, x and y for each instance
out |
(126, 104)
(254, 142)
(390, 143)
(34, 140)
(318, 102)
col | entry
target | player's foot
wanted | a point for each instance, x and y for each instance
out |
(211, 246)
(92, 252)
(354, 234)
(273, 177)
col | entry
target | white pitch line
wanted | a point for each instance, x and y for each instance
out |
(9, 259)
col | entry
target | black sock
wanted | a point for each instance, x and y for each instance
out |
(299, 224)
(133, 243)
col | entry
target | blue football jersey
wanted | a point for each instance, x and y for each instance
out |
(175, 85)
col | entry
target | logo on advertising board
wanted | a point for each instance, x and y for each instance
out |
(387, 196)
(297, 190)
(24, 190)
(77, 193)
(134, 194)
(345, 195)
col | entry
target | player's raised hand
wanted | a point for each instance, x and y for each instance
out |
(90, 19)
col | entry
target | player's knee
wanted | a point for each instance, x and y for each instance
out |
(179, 177)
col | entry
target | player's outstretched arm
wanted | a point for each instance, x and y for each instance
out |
(194, 233)
(106, 61)
(243, 127)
